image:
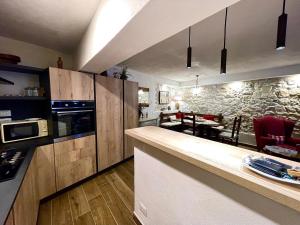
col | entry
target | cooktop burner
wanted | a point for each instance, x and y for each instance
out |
(10, 161)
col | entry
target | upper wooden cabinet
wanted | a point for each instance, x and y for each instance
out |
(109, 110)
(70, 85)
(45, 173)
(74, 160)
(130, 114)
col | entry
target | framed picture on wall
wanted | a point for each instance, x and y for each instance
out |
(163, 97)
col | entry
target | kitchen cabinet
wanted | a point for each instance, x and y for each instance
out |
(26, 205)
(74, 160)
(109, 111)
(45, 170)
(70, 85)
(130, 114)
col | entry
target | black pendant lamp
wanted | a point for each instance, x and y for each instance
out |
(224, 50)
(281, 29)
(189, 52)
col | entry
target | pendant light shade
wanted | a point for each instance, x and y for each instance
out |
(223, 61)
(224, 50)
(189, 52)
(196, 90)
(281, 29)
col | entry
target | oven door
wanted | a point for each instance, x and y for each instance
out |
(19, 131)
(72, 124)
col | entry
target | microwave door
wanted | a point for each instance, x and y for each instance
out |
(20, 131)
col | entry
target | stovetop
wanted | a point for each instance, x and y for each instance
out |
(10, 161)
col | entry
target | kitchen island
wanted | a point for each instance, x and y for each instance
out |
(182, 179)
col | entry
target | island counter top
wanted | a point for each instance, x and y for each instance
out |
(220, 159)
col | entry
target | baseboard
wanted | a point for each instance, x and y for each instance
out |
(136, 219)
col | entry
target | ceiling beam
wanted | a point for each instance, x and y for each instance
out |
(142, 26)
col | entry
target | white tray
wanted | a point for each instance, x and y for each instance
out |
(246, 164)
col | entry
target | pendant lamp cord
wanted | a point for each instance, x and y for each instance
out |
(283, 8)
(225, 26)
(189, 36)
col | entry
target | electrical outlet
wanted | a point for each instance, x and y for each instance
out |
(143, 209)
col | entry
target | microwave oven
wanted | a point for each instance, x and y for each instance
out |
(19, 130)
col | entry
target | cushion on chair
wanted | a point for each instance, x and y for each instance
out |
(225, 134)
(180, 115)
(170, 124)
(208, 117)
(173, 117)
(188, 131)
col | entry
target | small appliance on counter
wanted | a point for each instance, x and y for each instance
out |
(72, 119)
(19, 130)
(10, 161)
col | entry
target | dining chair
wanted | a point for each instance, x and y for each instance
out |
(232, 136)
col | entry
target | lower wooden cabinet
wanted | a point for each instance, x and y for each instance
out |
(26, 205)
(53, 167)
(45, 173)
(74, 160)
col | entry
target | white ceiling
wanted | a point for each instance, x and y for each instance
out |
(57, 24)
(251, 37)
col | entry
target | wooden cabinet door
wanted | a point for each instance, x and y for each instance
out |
(82, 86)
(74, 160)
(27, 201)
(70, 85)
(109, 110)
(45, 170)
(130, 114)
(60, 84)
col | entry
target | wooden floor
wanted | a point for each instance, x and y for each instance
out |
(104, 200)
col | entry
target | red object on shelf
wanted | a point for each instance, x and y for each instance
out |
(277, 126)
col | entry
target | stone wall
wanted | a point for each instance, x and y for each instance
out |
(275, 96)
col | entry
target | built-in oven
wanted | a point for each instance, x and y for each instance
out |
(72, 119)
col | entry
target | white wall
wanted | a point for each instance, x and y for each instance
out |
(34, 55)
(155, 84)
(174, 192)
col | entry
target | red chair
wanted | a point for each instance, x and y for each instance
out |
(267, 126)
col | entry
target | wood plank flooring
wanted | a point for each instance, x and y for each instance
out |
(104, 200)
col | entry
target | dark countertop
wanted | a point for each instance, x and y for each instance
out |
(9, 189)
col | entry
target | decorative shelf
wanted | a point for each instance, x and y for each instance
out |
(21, 68)
(24, 98)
